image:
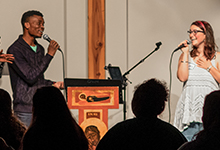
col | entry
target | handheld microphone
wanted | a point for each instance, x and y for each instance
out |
(181, 46)
(46, 37)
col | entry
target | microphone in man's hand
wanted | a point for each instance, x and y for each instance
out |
(46, 37)
(181, 46)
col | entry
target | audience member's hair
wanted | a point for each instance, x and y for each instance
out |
(149, 98)
(4, 145)
(211, 115)
(146, 130)
(11, 128)
(53, 126)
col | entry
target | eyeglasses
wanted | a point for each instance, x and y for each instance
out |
(194, 31)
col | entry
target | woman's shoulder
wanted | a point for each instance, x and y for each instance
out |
(217, 55)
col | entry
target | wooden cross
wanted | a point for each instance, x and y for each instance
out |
(96, 39)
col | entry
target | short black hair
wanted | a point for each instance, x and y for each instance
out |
(28, 14)
(149, 98)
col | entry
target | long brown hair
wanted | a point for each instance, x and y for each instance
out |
(53, 126)
(11, 128)
(210, 46)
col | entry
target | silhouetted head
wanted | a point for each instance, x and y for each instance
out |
(53, 126)
(5, 103)
(49, 105)
(211, 110)
(149, 98)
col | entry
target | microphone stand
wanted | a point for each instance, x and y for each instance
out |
(124, 78)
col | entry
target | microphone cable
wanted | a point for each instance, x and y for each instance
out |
(178, 48)
(63, 65)
(170, 85)
(47, 38)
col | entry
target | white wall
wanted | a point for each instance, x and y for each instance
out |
(132, 29)
(116, 47)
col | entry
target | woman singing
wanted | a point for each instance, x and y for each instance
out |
(199, 69)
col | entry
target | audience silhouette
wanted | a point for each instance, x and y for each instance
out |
(146, 131)
(209, 137)
(11, 128)
(53, 127)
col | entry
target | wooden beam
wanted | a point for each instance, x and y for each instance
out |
(96, 39)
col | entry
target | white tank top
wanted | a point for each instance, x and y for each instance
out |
(189, 107)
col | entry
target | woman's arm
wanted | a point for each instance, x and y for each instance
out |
(183, 71)
(206, 64)
(215, 72)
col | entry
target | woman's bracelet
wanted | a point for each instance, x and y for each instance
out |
(208, 69)
(183, 61)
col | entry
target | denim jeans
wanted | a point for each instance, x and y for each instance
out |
(192, 129)
(24, 117)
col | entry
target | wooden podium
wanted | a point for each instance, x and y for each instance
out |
(93, 98)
